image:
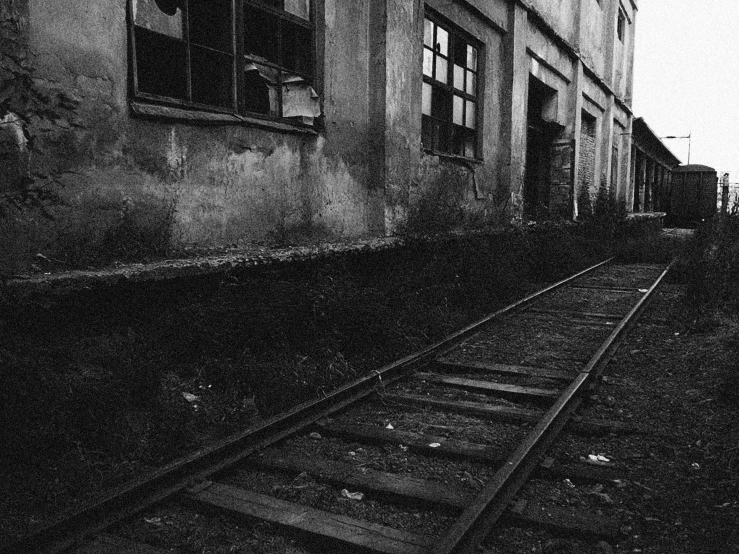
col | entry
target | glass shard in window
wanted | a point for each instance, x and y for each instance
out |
(299, 8)
(442, 41)
(299, 101)
(147, 14)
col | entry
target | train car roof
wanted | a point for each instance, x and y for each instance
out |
(694, 168)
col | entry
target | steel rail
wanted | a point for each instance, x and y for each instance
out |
(477, 521)
(178, 475)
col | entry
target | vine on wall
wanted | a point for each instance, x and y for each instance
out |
(27, 111)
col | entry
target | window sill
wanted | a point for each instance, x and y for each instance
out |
(453, 157)
(156, 111)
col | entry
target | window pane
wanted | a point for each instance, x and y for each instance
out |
(427, 132)
(161, 64)
(458, 111)
(296, 47)
(471, 58)
(460, 50)
(442, 137)
(260, 89)
(458, 77)
(428, 33)
(212, 77)
(441, 104)
(261, 31)
(441, 70)
(428, 62)
(442, 41)
(469, 145)
(210, 24)
(147, 14)
(426, 99)
(300, 8)
(469, 120)
(471, 83)
(458, 137)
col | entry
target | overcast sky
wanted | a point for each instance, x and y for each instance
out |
(686, 77)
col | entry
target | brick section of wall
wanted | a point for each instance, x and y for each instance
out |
(587, 154)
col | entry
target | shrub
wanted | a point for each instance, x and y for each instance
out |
(713, 267)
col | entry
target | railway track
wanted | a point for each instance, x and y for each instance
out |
(430, 454)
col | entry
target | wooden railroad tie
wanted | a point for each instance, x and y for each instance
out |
(487, 387)
(318, 524)
(508, 413)
(486, 367)
(605, 288)
(456, 449)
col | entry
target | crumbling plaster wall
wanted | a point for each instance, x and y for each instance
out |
(623, 62)
(595, 38)
(561, 15)
(211, 185)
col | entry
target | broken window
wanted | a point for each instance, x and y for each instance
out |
(245, 56)
(449, 94)
(278, 38)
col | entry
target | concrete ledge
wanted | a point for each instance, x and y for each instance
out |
(235, 260)
(645, 223)
(22, 286)
(197, 266)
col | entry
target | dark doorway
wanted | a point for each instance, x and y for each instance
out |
(539, 138)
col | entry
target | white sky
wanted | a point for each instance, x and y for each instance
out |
(686, 78)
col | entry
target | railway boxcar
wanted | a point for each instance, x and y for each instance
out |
(692, 194)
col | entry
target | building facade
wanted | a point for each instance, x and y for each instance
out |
(225, 122)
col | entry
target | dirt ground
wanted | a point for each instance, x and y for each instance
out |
(681, 494)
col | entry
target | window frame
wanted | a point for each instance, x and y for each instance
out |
(455, 34)
(239, 57)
